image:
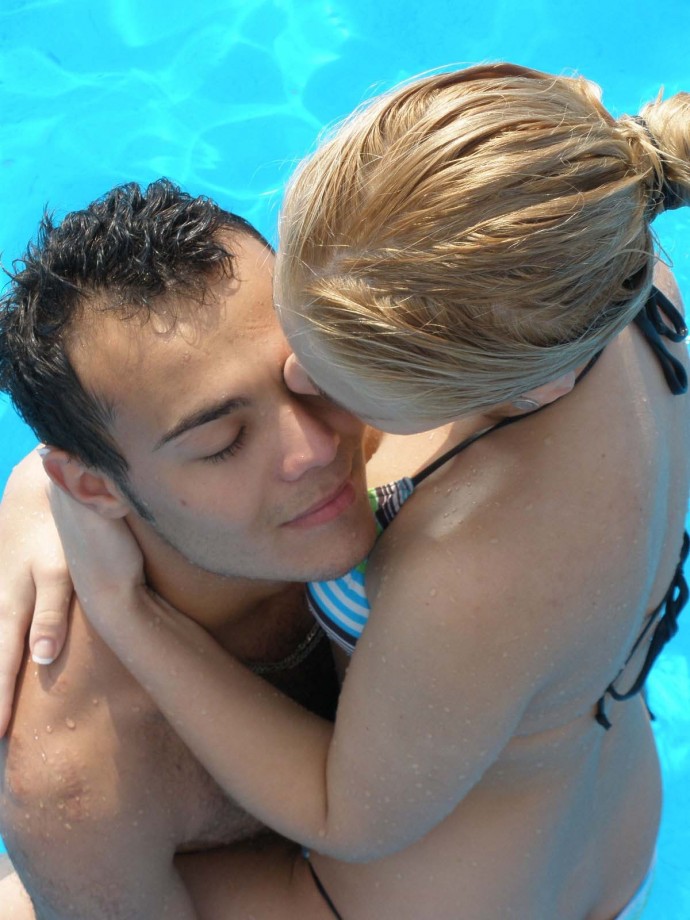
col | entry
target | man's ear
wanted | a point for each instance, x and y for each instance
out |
(93, 489)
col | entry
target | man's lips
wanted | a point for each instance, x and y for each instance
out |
(327, 508)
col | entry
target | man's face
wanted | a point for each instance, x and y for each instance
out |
(240, 476)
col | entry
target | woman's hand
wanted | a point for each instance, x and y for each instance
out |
(35, 579)
(104, 560)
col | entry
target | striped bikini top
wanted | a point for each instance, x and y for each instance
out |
(341, 606)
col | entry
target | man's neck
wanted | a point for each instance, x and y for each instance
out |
(254, 620)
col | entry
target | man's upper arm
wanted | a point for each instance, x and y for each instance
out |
(95, 870)
(80, 811)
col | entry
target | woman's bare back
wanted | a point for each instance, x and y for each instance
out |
(573, 520)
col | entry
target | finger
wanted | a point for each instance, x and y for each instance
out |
(14, 623)
(51, 618)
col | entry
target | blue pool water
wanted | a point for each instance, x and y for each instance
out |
(224, 96)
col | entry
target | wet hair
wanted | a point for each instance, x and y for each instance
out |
(473, 235)
(134, 253)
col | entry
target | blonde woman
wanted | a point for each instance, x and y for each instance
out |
(468, 260)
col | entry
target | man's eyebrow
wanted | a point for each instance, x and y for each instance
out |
(201, 417)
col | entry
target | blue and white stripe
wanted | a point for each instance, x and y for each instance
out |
(341, 605)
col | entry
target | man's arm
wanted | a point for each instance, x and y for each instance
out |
(35, 580)
(86, 811)
(15, 903)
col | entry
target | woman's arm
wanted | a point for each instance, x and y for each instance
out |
(34, 579)
(422, 715)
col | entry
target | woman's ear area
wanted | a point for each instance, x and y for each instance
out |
(296, 378)
(86, 485)
(551, 391)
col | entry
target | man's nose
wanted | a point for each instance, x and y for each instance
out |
(307, 440)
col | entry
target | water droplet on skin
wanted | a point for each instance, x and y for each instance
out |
(49, 729)
(70, 723)
(433, 592)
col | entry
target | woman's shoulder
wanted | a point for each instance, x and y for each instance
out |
(542, 520)
(665, 280)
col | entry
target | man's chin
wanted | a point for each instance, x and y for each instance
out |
(337, 568)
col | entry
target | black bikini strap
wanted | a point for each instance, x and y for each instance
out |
(658, 304)
(653, 320)
(511, 420)
(653, 326)
(449, 454)
(673, 601)
(320, 888)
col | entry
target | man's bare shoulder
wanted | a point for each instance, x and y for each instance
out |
(87, 736)
(69, 723)
(95, 786)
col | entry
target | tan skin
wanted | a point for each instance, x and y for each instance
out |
(99, 794)
(610, 813)
(580, 806)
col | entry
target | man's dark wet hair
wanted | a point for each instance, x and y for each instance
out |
(130, 252)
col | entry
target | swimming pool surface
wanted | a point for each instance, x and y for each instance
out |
(224, 96)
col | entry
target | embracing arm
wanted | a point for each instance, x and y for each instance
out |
(34, 580)
(421, 717)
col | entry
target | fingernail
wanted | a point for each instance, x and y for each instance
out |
(43, 652)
